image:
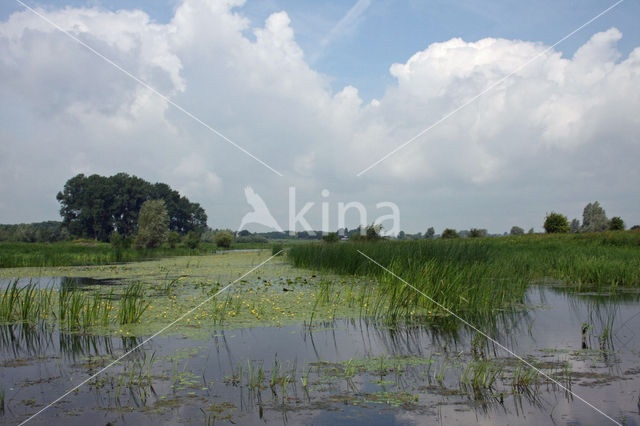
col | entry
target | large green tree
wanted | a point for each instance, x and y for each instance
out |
(594, 219)
(95, 206)
(556, 223)
(153, 224)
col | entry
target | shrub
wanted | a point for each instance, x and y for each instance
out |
(449, 233)
(276, 249)
(373, 232)
(516, 230)
(331, 237)
(616, 224)
(556, 223)
(173, 238)
(117, 240)
(477, 233)
(192, 239)
(224, 239)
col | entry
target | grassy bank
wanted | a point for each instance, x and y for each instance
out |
(87, 252)
(478, 275)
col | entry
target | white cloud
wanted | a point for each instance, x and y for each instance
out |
(553, 121)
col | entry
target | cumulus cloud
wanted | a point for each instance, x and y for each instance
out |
(565, 126)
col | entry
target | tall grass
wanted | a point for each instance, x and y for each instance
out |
(70, 307)
(133, 303)
(476, 276)
(16, 255)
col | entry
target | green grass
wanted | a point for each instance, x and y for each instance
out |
(89, 252)
(476, 276)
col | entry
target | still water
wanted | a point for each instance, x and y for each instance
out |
(343, 372)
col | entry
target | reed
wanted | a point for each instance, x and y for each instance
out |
(132, 304)
(473, 276)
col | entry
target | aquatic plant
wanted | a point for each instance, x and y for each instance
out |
(132, 303)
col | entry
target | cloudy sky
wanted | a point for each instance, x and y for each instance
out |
(320, 91)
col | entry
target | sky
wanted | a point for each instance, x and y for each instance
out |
(510, 125)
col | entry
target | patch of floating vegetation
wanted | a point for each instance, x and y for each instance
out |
(157, 293)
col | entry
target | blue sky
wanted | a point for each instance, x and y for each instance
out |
(321, 90)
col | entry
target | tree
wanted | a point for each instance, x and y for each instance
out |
(224, 239)
(616, 224)
(192, 239)
(153, 224)
(401, 235)
(430, 233)
(575, 226)
(373, 232)
(477, 233)
(449, 233)
(594, 218)
(556, 223)
(531, 231)
(516, 230)
(95, 206)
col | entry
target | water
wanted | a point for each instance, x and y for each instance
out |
(57, 282)
(357, 372)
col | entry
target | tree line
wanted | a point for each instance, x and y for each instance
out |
(97, 206)
(594, 219)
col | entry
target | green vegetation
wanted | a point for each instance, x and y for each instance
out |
(556, 223)
(95, 206)
(224, 238)
(40, 232)
(449, 233)
(616, 224)
(89, 252)
(81, 252)
(331, 237)
(477, 275)
(153, 224)
(594, 218)
(516, 230)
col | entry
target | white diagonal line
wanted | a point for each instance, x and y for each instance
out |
(163, 329)
(491, 86)
(509, 351)
(145, 84)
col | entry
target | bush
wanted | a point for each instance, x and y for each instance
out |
(224, 239)
(616, 224)
(192, 239)
(173, 238)
(276, 249)
(516, 230)
(117, 240)
(331, 237)
(477, 233)
(373, 232)
(449, 233)
(556, 223)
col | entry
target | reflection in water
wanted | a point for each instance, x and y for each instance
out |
(57, 282)
(356, 370)
(35, 341)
